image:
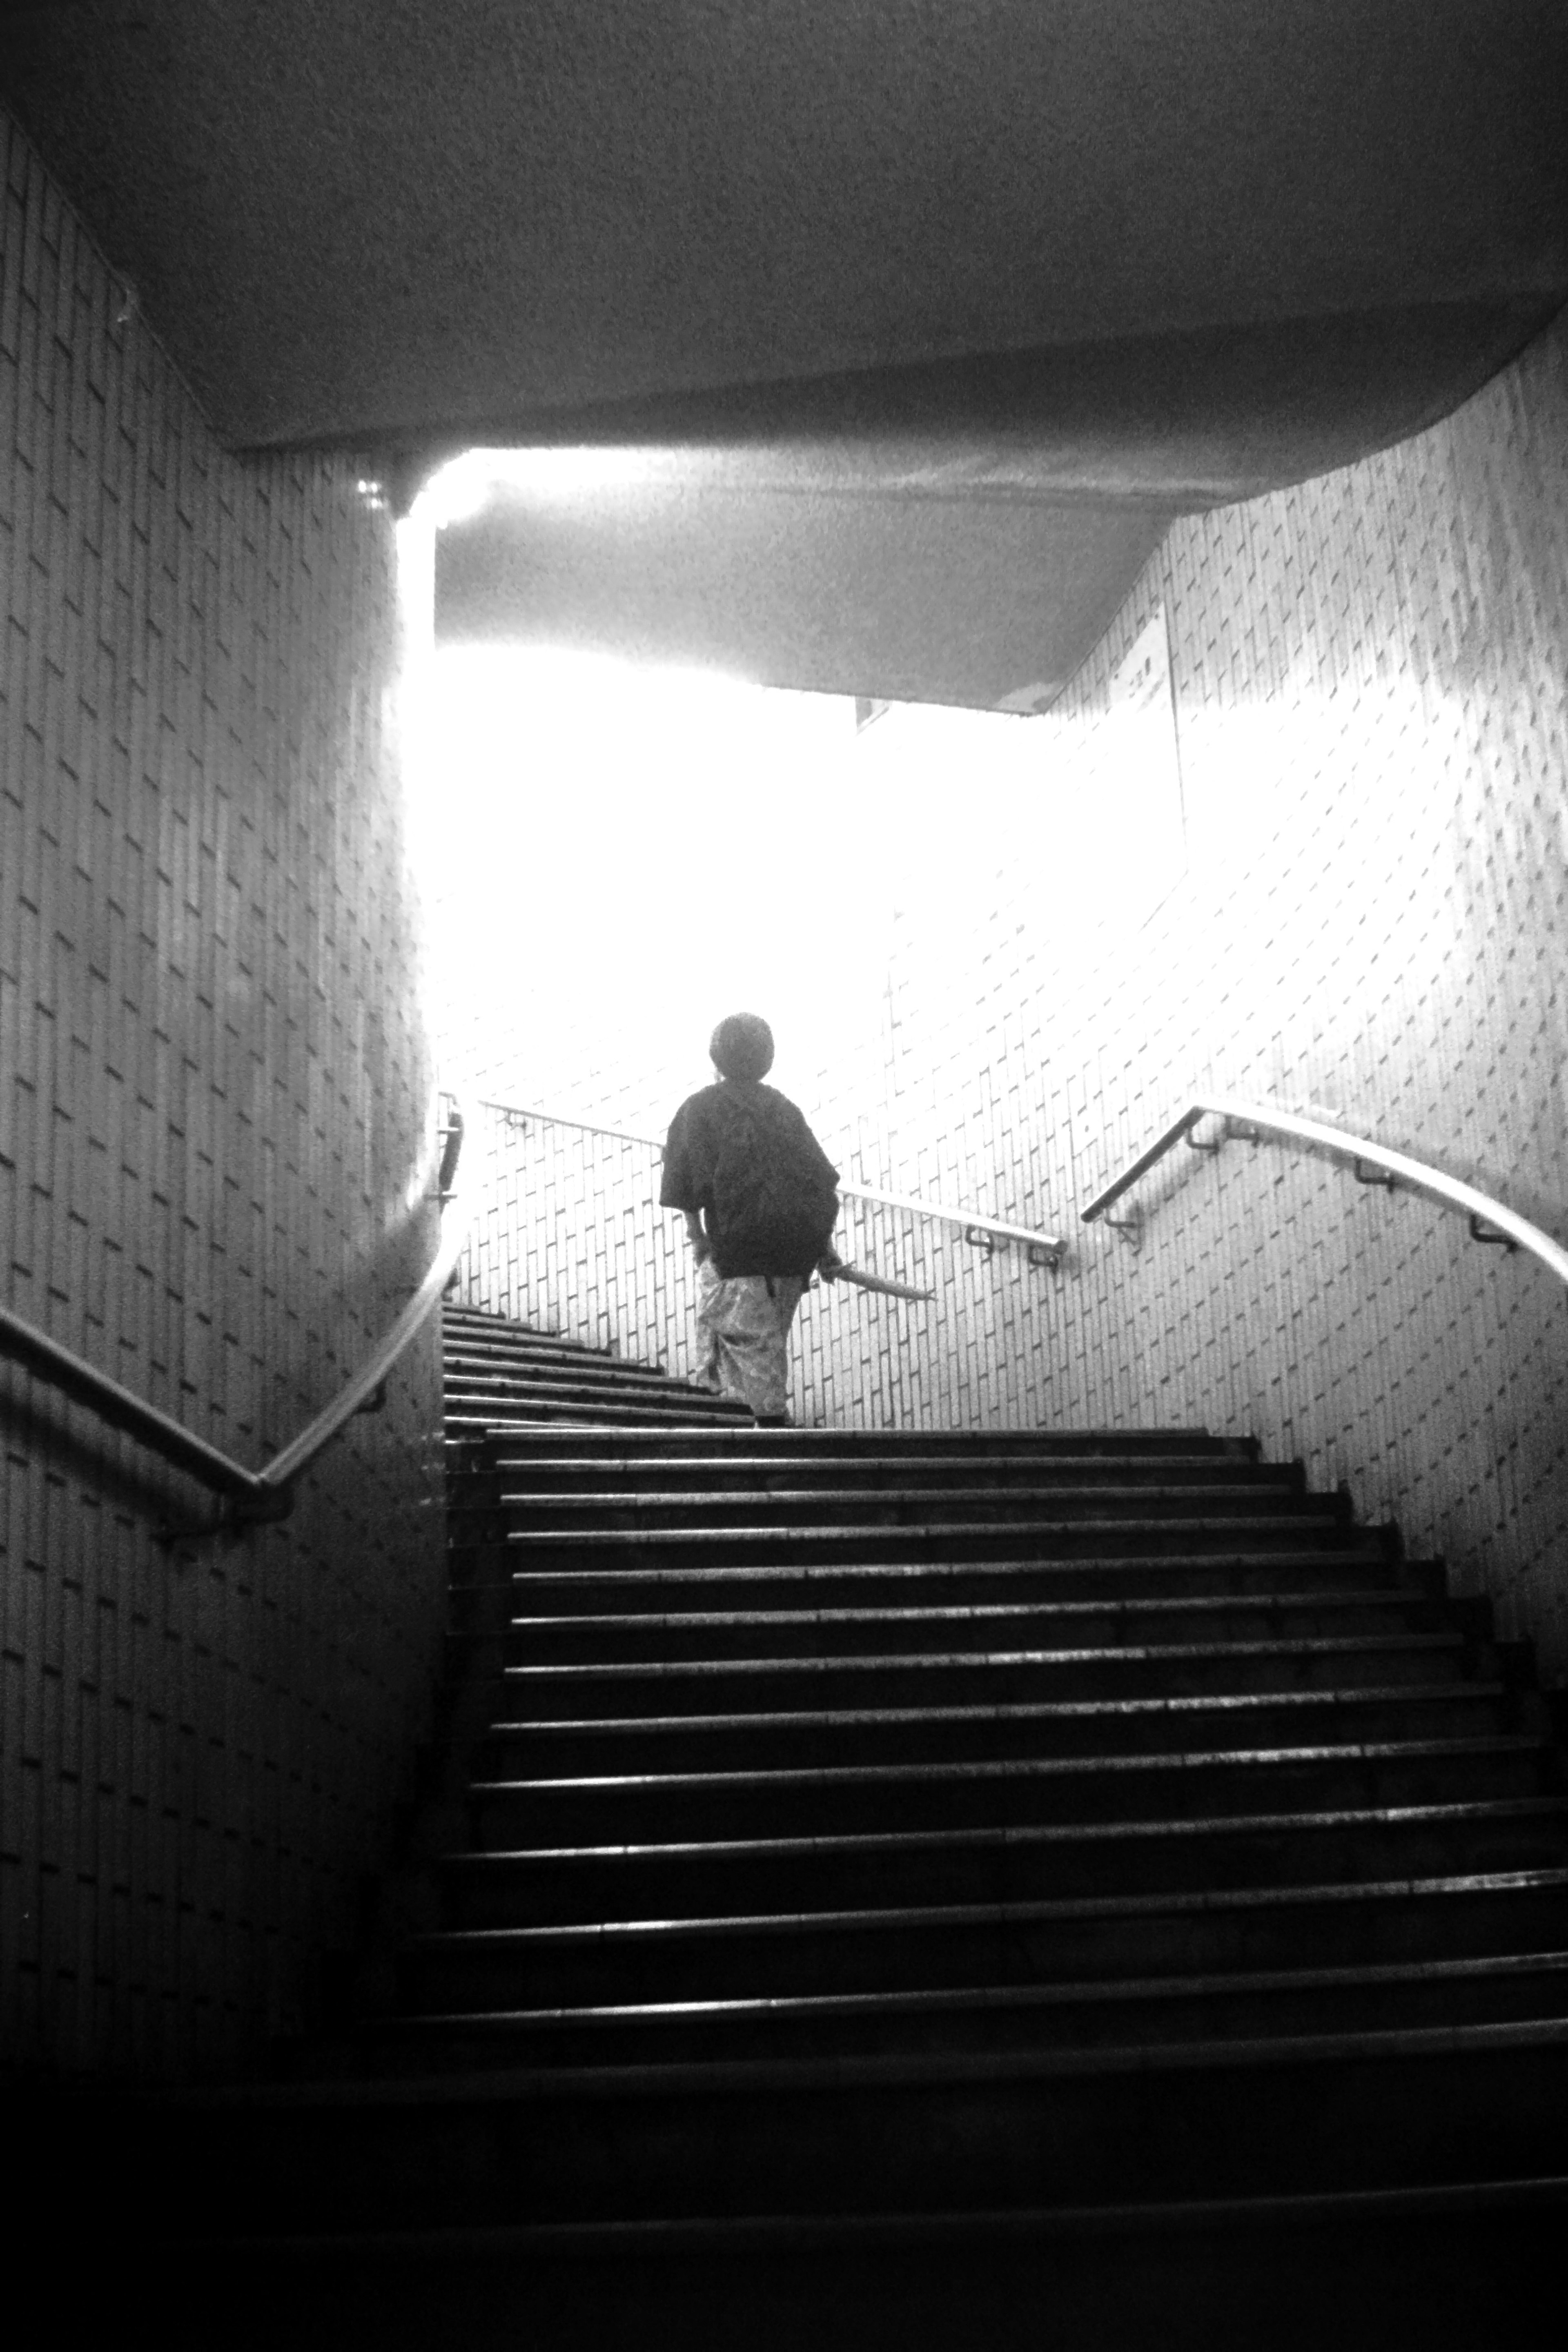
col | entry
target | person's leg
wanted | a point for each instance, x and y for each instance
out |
(711, 1293)
(749, 1319)
(768, 1391)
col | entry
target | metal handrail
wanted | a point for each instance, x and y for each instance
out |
(1050, 1246)
(264, 1493)
(1396, 1170)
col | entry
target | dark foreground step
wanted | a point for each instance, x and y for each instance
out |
(1472, 2268)
(1427, 2106)
(1378, 1922)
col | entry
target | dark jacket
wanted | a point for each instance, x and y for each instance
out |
(741, 1155)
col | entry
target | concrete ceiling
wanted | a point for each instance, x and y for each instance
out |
(918, 600)
(1097, 250)
(352, 217)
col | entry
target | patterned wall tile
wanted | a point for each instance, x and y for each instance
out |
(214, 1086)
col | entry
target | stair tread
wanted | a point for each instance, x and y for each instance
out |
(999, 1768)
(960, 1612)
(701, 2077)
(1041, 1911)
(1009, 1833)
(809, 1435)
(634, 1464)
(766, 1573)
(1014, 1710)
(922, 2226)
(933, 1530)
(571, 1418)
(541, 1500)
(1302, 1646)
(1056, 1994)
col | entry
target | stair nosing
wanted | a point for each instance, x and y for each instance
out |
(568, 1538)
(1038, 1911)
(1059, 1993)
(952, 1613)
(766, 1573)
(1016, 1767)
(737, 2076)
(920, 2226)
(992, 1835)
(1121, 1652)
(1348, 1694)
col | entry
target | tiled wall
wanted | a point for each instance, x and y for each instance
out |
(215, 1129)
(1372, 710)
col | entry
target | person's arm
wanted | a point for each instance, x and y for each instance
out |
(829, 1261)
(701, 1247)
(681, 1186)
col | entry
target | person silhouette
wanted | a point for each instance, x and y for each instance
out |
(760, 1197)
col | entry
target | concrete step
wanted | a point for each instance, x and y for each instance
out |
(903, 1947)
(1089, 1535)
(1281, 2114)
(809, 1800)
(1464, 2267)
(1094, 1580)
(472, 1369)
(800, 1511)
(849, 1445)
(549, 1406)
(538, 1885)
(469, 1395)
(659, 1743)
(751, 1472)
(1243, 2004)
(621, 1637)
(535, 1693)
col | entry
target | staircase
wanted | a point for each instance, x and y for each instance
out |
(996, 1888)
(500, 1375)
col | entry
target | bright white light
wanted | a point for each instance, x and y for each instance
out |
(461, 488)
(615, 855)
(457, 490)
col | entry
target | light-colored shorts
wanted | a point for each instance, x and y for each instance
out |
(743, 1335)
